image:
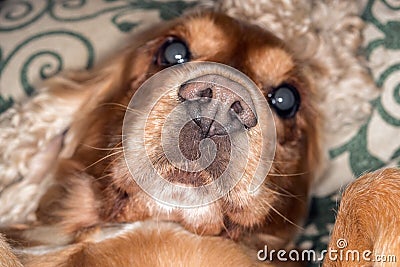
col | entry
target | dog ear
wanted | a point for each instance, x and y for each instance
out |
(84, 92)
(120, 76)
(51, 124)
(7, 256)
(48, 126)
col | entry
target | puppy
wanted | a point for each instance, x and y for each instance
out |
(95, 161)
(367, 231)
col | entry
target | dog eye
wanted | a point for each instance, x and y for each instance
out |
(173, 51)
(285, 99)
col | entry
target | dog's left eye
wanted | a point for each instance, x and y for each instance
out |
(285, 99)
(173, 51)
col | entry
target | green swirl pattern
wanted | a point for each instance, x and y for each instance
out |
(361, 160)
(28, 88)
(20, 15)
(23, 12)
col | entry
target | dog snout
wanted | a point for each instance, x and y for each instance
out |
(218, 105)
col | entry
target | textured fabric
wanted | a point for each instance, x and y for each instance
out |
(40, 38)
(375, 144)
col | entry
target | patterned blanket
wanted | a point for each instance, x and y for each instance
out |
(40, 38)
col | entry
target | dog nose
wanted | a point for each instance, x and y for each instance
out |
(218, 105)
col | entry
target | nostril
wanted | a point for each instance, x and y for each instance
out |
(197, 121)
(237, 107)
(250, 122)
(195, 91)
(244, 114)
(206, 93)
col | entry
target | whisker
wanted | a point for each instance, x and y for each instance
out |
(102, 177)
(284, 217)
(103, 158)
(277, 172)
(103, 148)
(119, 143)
(114, 160)
(226, 230)
(284, 194)
(124, 107)
(286, 174)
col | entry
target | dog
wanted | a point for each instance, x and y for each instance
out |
(367, 229)
(93, 185)
(79, 161)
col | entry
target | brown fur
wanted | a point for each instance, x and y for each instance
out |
(93, 186)
(7, 258)
(296, 153)
(156, 244)
(368, 219)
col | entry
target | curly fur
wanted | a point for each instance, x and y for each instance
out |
(35, 130)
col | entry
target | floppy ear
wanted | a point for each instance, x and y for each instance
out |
(33, 135)
(7, 256)
(50, 125)
(57, 108)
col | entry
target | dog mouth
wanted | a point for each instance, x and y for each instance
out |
(198, 131)
(204, 155)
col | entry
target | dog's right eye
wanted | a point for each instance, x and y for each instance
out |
(285, 99)
(173, 51)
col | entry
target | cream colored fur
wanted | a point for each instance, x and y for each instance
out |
(33, 135)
